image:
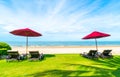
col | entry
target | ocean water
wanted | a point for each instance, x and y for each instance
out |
(64, 43)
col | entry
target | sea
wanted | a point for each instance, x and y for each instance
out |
(64, 43)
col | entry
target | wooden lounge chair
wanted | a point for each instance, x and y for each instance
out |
(13, 55)
(91, 54)
(106, 54)
(35, 55)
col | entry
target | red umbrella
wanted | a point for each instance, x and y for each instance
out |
(95, 35)
(27, 33)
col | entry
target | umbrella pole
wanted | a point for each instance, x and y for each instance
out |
(96, 44)
(26, 45)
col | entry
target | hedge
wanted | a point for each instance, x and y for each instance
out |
(3, 48)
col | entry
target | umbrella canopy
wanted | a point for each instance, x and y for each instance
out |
(95, 35)
(27, 33)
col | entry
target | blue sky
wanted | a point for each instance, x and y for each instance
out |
(60, 20)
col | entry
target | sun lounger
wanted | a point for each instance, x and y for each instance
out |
(13, 55)
(35, 55)
(91, 54)
(106, 54)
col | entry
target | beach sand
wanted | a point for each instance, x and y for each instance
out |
(65, 49)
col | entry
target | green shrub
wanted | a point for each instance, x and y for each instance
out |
(3, 48)
(4, 45)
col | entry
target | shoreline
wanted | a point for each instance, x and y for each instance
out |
(72, 46)
(65, 49)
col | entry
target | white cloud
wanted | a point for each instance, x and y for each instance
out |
(54, 20)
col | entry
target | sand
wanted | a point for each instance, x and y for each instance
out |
(65, 49)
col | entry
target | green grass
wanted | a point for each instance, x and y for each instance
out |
(62, 65)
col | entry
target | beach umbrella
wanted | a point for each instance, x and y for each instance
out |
(27, 33)
(95, 35)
